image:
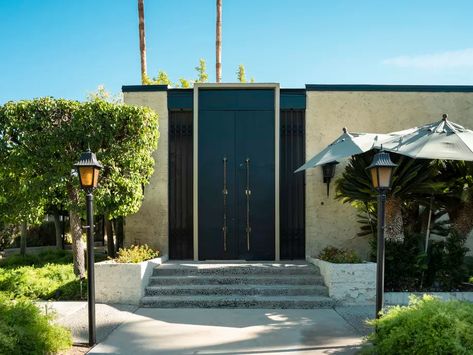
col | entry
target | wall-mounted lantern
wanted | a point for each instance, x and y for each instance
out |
(328, 170)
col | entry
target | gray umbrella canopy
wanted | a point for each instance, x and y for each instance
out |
(439, 140)
(345, 146)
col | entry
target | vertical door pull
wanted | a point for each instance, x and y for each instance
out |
(248, 194)
(224, 193)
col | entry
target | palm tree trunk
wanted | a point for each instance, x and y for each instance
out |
(394, 229)
(76, 233)
(119, 232)
(141, 28)
(23, 234)
(57, 229)
(218, 43)
(462, 218)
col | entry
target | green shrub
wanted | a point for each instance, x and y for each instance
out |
(46, 257)
(339, 256)
(136, 254)
(471, 280)
(426, 326)
(25, 330)
(51, 281)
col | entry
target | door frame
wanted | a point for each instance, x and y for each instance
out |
(276, 88)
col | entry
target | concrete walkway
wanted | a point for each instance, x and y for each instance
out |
(126, 329)
(232, 331)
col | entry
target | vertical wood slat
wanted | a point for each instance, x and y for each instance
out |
(292, 188)
(180, 185)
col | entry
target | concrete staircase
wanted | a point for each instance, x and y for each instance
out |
(236, 285)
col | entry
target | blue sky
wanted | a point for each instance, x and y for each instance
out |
(66, 48)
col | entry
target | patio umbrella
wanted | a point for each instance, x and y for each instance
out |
(439, 140)
(346, 145)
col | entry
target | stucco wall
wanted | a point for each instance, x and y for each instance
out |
(328, 222)
(150, 224)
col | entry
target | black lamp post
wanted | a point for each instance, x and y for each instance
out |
(381, 170)
(88, 168)
(328, 171)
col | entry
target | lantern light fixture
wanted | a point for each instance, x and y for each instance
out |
(381, 170)
(328, 171)
(88, 168)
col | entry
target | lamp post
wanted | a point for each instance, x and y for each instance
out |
(381, 170)
(88, 169)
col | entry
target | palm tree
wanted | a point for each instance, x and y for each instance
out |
(412, 181)
(141, 27)
(457, 197)
(218, 43)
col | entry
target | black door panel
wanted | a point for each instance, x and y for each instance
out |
(236, 156)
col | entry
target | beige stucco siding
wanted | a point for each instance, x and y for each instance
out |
(150, 224)
(328, 222)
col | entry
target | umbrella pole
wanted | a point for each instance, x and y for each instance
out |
(427, 234)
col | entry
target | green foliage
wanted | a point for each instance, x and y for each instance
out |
(339, 256)
(48, 275)
(102, 94)
(447, 268)
(39, 235)
(8, 232)
(136, 254)
(184, 83)
(45, 137)
(24, 330)
(418, 184)
(241, 75)
(405, 264)
(412, 180)
(51, 281)
(425, 326)
(202, 76)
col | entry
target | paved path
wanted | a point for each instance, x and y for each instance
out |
(232, 331)
(125, 329)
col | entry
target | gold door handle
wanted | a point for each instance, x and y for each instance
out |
(225, 193)
(248, 194)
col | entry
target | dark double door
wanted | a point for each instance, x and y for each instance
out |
(236, 181)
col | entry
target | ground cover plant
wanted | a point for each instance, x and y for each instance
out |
(48, 275)
(339, 256)
(426, 326)
(136, 254)
(25, 330)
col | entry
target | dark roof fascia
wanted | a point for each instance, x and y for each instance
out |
(143, 88)
(393, 88)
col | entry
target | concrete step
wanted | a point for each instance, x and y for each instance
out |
(313, 279)
(270, 302)
(279, 269)
(238, 290)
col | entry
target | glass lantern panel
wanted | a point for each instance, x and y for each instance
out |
(385, 176)
(86, 174)
(374, 177)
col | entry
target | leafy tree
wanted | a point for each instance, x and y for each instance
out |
(184, 83)
(58, 130)
(202, 76)
(241, 76)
